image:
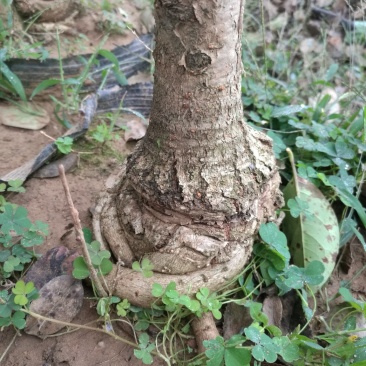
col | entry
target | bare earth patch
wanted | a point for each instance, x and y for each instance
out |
(45, 201)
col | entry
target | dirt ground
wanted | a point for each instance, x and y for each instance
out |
(45, 201)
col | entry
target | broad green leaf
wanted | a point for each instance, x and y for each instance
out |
(215, 351)
(360, 353)
(157, 289)
(88, 235)
(331, 72)
(314, 236)
(4, 255)
(13, 80)
(18, 319)
(14, 218)
(289, 351)
(106, 266)
(237, 357)
(81, 270)
(275, 239)
(288, 110)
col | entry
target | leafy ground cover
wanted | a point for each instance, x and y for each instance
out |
(303, 85)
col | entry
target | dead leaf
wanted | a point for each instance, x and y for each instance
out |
(26, 115)
(60, 299)
(314, 234)
(308, 45)
(57, 261)
(136, 130)
(335, 45)
(272, 307)
(236, 318)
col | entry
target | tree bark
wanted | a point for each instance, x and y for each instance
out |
(193, 194)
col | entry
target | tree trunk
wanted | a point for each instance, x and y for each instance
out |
(193, 194)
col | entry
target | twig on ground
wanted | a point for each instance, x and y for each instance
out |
(81, 326)
(80, 235)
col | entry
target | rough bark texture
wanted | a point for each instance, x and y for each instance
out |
(193, 194)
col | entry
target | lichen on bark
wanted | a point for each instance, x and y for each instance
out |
(192, 195)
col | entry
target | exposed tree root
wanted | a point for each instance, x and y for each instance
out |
(204, 328)
(126, 283)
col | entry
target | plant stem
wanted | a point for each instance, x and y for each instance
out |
(80, 235)
(293, 167)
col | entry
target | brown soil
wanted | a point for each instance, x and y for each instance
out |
(45, 201)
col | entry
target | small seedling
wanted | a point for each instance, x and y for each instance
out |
(21, 292)
(99, 258)
(145, 348)
(145, 267)
(64, 144)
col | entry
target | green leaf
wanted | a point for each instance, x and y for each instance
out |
(97, 255)
(16, 186)
(360, 352)
(13, 80)
(215, 351)
(298, 277)
(288, 350)
(157, 289)
(18, 319)
(21, 290)
(81, 270)
(14, 218)
(24, 255)
(237, 357)
(331, 72)
(275, 239)
(136, 266)
(147, 268)
(351, 201)
(40, 227)
(11, 263)
(109, 56)
(64, 144)
(44, 85)
(4, 255)
(347, 296)
(122, 307)
(88, 235)
(313, 236)
(288, 110)
(31, 238)
(297, 207)
(255, 311)
(120, 77)
(106, 267)
(144, 353)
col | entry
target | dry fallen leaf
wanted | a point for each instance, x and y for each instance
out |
(56, 262)
(136, 130)
(27, 115)
(60, 299)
